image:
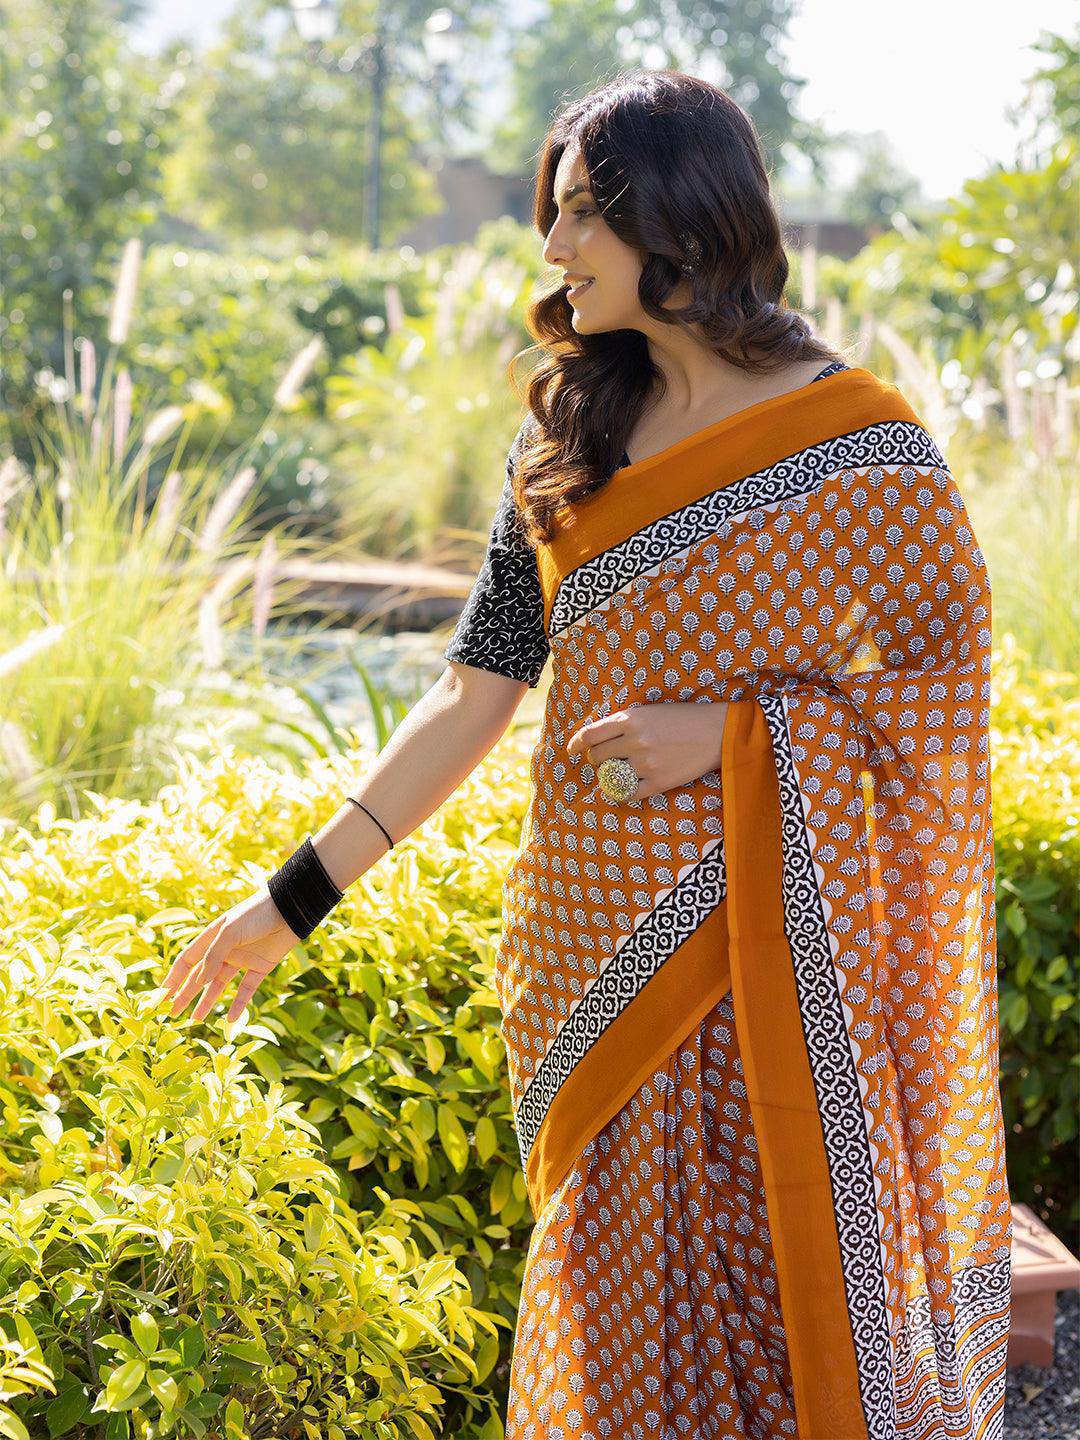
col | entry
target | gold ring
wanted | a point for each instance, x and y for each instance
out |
(618, 779)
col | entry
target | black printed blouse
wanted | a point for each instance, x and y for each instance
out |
(501, 626)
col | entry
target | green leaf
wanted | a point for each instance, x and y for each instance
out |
(144, 1331)
(234, 1420)
(424, 1119)
(1015, 918)
(192, 1347)
(249, 1351)
(1018, 1013)
(65, 1412)
(393, 1245)
(28, 1338)
(164, 1388)
(486, 1356)
(453, 1138)
(500, 1189)
(123, 1382)
(11, 1425)
(371, 981)
(314, 1223)
(1057, 968)
(486, 1138)
(493, 1429)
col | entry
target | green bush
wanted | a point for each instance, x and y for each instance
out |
(1036, 797)
(162, 1171)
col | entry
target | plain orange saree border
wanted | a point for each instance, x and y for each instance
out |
(780, 1090)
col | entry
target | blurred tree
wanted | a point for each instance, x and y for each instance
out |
(881, 186)
(277, 130)
(996, 266)
(1050, 108)
(571, 47)
(82, 137)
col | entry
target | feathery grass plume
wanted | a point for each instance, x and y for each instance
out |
(975, 407)
(925, 383)
(223, 509)
(1042, 424)
(833, 323)
(87, 376)
(866, 336)
(1063, 413)
(395, 310)
(508, 348)
(121, 413)
(160, 426)
(29, 649)
(263, 585)
(808, 276)
(1015, 423)
(69, 337)
(167, 507)
(298, 371)
(124, 295)
(442, 312)
(10, 471)
(18, 760)
(223, 588)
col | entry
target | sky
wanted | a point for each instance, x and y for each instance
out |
(935, 76)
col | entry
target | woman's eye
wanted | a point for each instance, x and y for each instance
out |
(579, 213)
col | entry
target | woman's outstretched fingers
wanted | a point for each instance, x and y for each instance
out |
(217, 969)
(249, 983)
(246, 941)
(189, 960)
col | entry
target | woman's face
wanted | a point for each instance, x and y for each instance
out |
(583, 247)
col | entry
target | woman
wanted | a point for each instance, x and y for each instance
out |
(748, 963)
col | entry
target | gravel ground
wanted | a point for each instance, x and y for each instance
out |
(1045, 1404)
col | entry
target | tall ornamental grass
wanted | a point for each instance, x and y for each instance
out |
(126, 567)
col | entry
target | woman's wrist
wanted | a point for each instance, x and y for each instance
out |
(302, 891)
(350, 842)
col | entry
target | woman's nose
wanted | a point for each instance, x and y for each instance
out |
(554, 249)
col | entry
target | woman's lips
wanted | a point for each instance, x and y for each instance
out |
(576, 290)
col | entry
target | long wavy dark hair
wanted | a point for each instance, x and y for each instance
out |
(671, 160)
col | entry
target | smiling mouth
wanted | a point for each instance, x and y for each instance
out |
(576, 290)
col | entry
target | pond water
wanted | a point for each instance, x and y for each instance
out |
(402, 665)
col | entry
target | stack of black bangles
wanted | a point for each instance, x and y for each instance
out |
(302, 889)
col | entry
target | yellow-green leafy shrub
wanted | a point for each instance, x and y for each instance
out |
(185, 1172)
(1035, 743)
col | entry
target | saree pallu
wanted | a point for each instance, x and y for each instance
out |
(770, 993)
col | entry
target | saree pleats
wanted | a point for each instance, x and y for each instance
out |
(650, 1304)
(825, 895)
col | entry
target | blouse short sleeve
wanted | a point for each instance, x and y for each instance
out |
(501, 626)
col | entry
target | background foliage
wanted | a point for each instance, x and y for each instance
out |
(313, 1223)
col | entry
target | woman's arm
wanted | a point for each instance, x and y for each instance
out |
(440, 741)
(438, 744)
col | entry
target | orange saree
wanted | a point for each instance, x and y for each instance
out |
(751, 1023)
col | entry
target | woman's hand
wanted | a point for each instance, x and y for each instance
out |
(247, 940)
(667, 744)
